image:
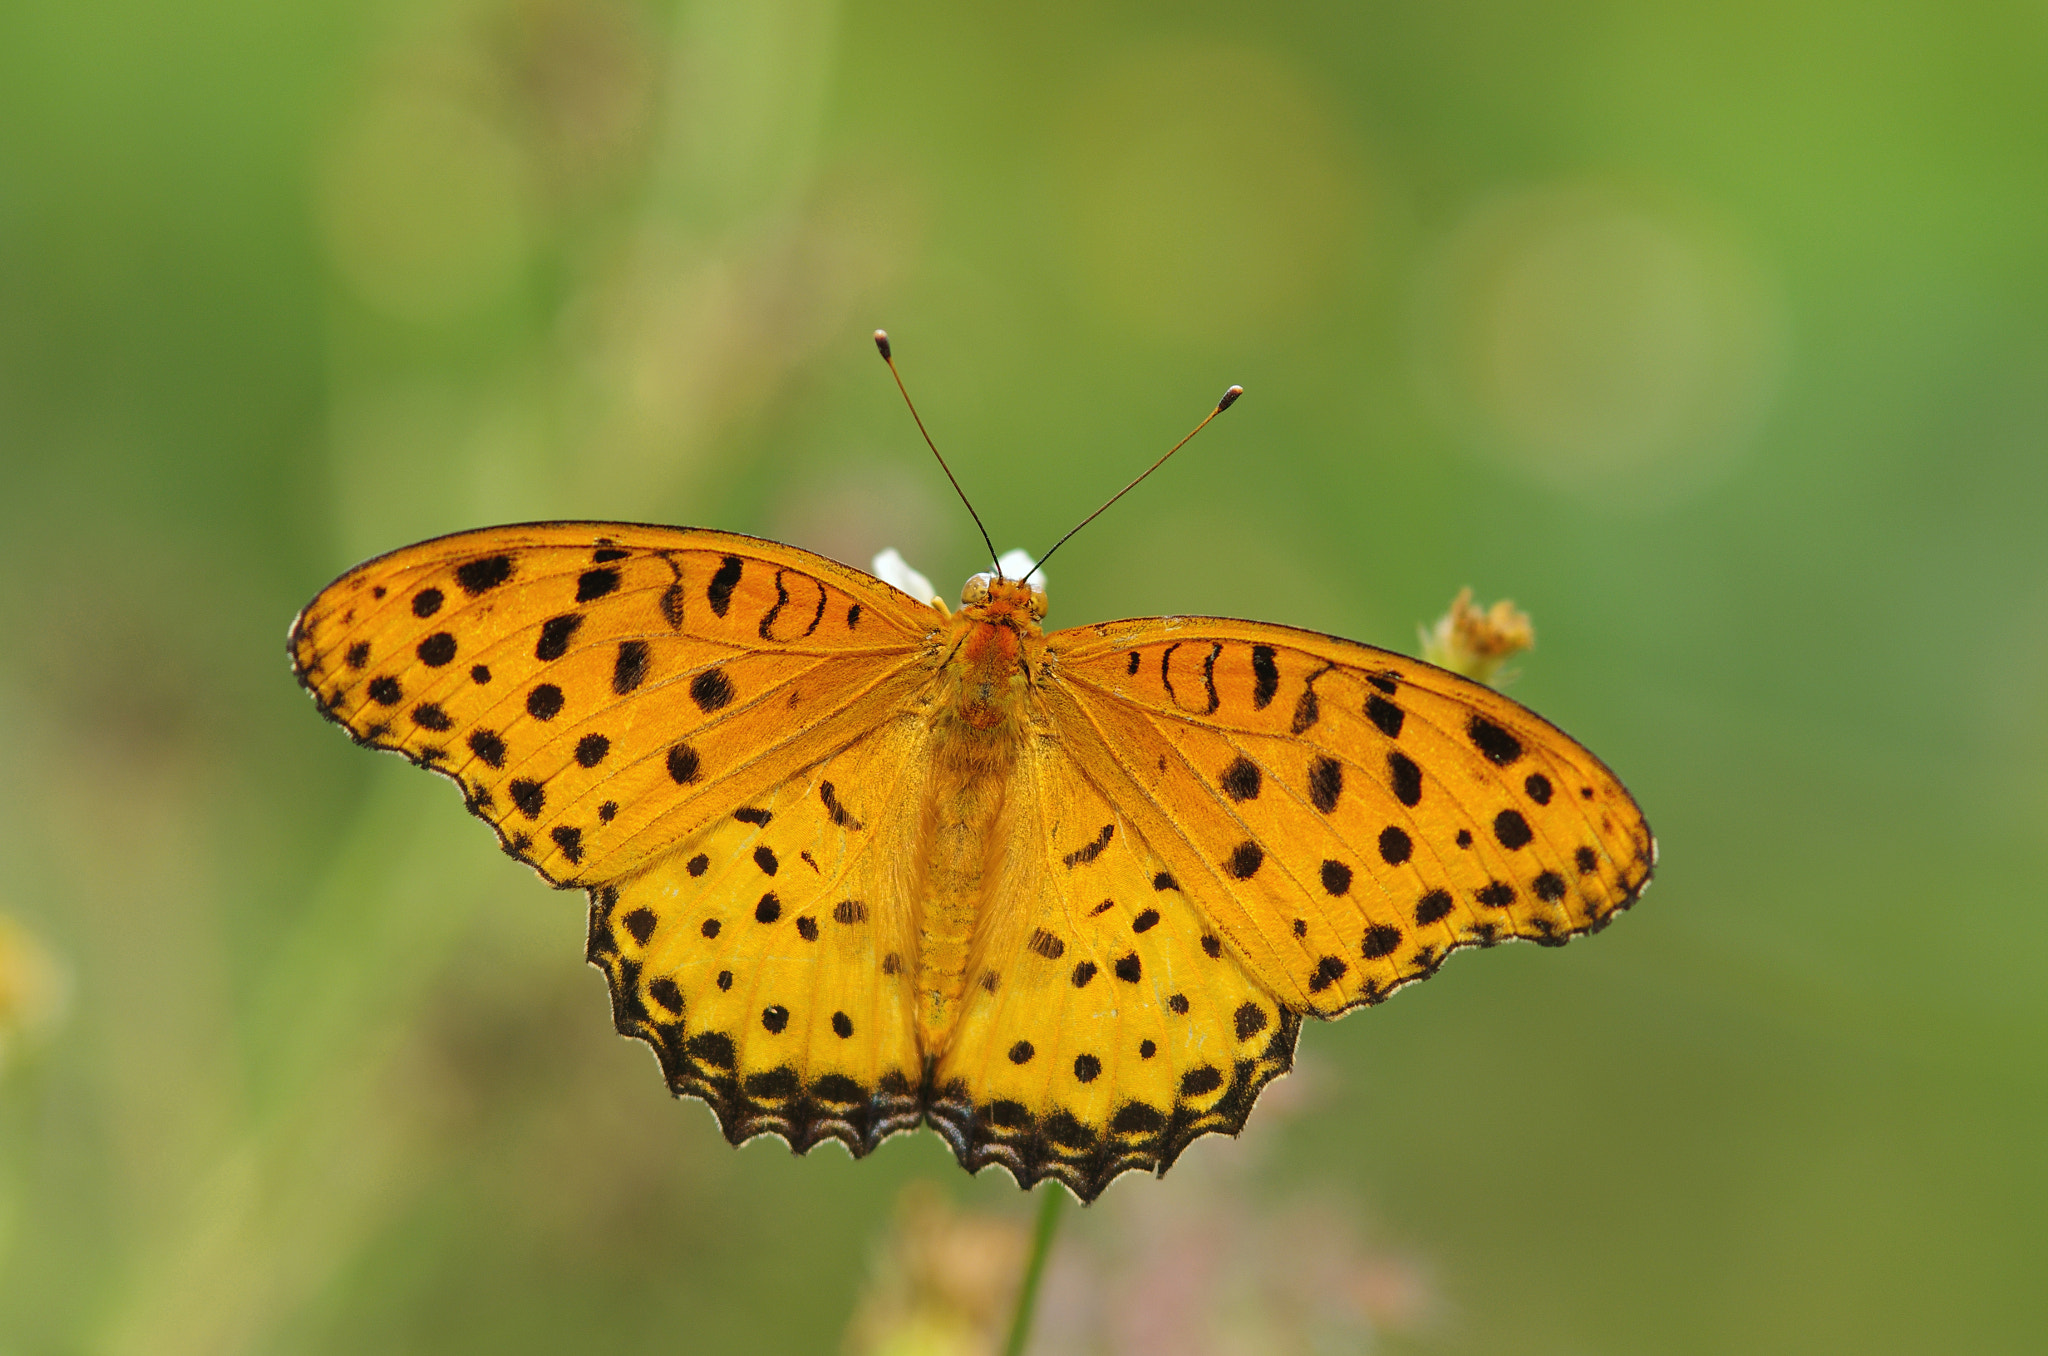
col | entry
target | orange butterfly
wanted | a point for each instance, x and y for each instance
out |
(857, 863)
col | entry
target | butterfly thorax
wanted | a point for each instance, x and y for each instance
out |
(978, 730)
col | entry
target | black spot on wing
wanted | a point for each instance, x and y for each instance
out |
(1384, 714)
(683, 765)
(478, 576)
(1328, 971)
(1245, 860)
(1325, 783)
(629, 670)
(528, 795)
(719, 592)
(1538, 787)
(544, 702)
(1336, 877)
(436, 650)
(765, 629)
(487, 745)
(1511, 829)
(569, 840)
(1265, 677)
(1240, 781)
(1500, 747)
(604, 555)
(591, 749)
(711, 690)
(1380, 940)
(1432, 907)
(1495, 894)
(596, 584)
(426, 602)
(384, 691)
(840, 814)
(1405, 776)
(1395, 845)
(555, 634)
(1090, 851)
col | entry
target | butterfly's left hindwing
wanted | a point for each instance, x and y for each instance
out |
(599, 690)
(1345, 816)
(767, 958)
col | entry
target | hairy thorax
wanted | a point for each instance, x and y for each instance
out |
(978, 728)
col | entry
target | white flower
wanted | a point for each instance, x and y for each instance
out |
(891, 568)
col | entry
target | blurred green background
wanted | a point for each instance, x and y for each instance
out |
(1716, 336)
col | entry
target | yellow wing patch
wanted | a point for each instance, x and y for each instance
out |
(765, 961)
(1109, 1025)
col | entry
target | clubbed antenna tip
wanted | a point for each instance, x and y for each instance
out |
(882, 345)
(1229, 397)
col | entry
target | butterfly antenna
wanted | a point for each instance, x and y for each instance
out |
(1229, 398)
(882, 347)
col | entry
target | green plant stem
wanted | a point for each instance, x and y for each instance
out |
(1034, 1267)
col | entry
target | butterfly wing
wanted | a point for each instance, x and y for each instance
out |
(601, 690)
(1106, 1025)
(690, 725)
(1343, 816)
(766, 958)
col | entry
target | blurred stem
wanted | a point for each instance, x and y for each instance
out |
(1034, 1268)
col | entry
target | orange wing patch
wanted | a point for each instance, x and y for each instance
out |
(1346, 816)
(599, 691)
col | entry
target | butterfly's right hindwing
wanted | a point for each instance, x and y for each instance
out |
(599, 689)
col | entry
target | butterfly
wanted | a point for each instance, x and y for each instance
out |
(858, 862)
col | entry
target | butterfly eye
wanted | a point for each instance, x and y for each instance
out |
(975, 591)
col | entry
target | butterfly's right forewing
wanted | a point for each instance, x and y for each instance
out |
(1344, 815)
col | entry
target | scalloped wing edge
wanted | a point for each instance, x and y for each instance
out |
(1054, 1147)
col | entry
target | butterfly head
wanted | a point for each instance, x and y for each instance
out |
(992, 598)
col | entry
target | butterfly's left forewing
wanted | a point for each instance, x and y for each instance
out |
(1343, 815)
(599, 690)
